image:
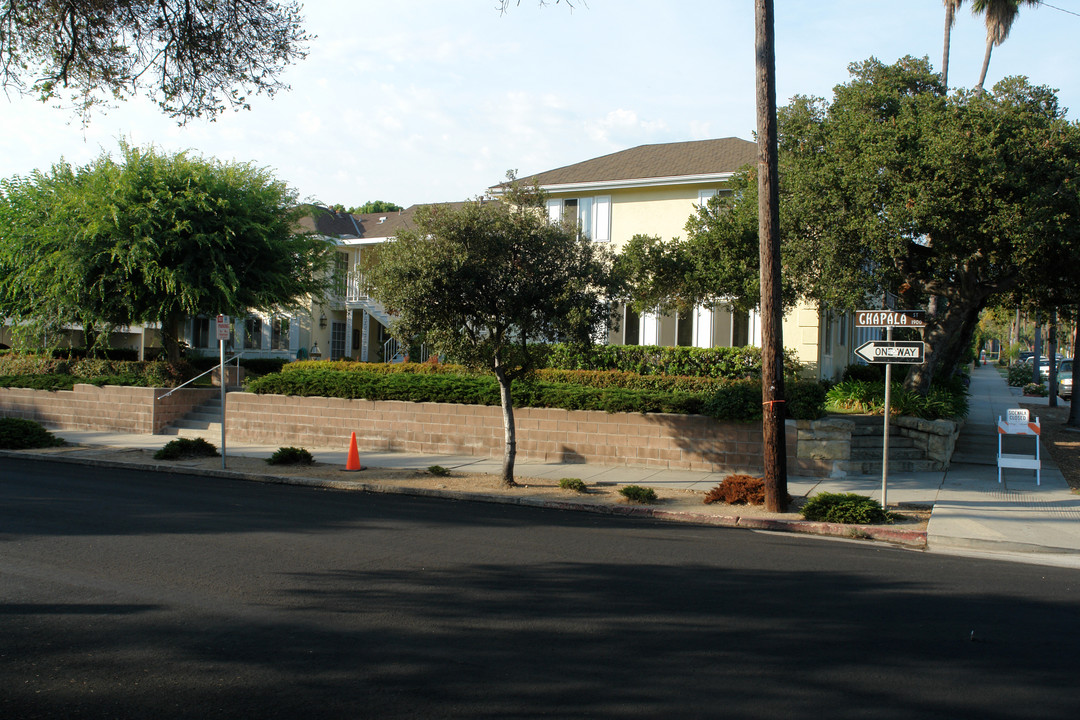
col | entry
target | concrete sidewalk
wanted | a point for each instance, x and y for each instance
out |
(972, 512)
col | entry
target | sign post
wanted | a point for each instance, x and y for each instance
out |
(890, 352)
(222, 327)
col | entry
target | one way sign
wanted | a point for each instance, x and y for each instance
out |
(908, 352)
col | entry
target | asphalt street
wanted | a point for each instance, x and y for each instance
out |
(129, 595)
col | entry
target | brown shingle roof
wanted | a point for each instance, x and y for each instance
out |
(699, 157)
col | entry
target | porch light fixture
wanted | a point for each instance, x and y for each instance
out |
(322, 320)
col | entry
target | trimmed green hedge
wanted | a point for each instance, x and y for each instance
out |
(612, 392)
(156, 373)
(731, 363)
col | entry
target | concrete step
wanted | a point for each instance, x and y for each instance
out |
(895, 453)
(186, 424)
(211, 432)
(876, 441)
(870, 467)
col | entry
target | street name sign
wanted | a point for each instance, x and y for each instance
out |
(907, 352)
(890, 318)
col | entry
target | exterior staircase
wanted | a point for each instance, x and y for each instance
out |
(867, 447)
(204, 421)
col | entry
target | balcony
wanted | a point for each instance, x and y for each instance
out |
(350, 287)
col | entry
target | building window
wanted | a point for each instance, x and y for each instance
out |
(279, 333)
(740, 329)
(827, 342)
(341, 273)
(337, 340)
(253, 328)
(631, 327)
(200, 332)
(684, 329)
(591, 214)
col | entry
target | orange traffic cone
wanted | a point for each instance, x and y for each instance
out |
(353, 463)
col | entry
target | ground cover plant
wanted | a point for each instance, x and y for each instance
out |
(23, 434)
(638, 494)
(943, 400)
(573, 484)
(186, 448)
(845, 508)
(438, 471)
(737, 490)
(290, 456)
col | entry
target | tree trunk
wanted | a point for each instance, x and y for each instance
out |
(170, 338)
(509, 430)
(986, 64)
(1052, 351)
(949, 19)
(1074, 407)
(1035, 376)
(946, 337)
(772, 350)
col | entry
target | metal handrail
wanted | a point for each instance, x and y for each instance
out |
(234, 357)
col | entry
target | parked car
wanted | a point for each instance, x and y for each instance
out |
(1064, 378)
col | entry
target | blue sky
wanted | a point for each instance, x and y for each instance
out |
(433, 100)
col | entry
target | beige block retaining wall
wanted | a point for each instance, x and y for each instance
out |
(688, 442)
(88, 407)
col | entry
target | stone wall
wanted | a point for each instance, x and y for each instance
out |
(113, 408)
(687, 442)
(841, 445)
(936, 438)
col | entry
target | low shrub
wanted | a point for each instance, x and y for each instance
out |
(866, 373)
(39, 382)
(638, 494)
(738, 490)
(805, 399)
(1020, 374)
(845, 508)
(574, 484)
(438, 470)
(1036, 389)
(185, 448)
(290, 456)
(23, 434)
(948, 399)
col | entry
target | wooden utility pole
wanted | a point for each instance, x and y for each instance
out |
(772, 341)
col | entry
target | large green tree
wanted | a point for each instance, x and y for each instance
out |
(152, 237)
(192, 58)
(485, 282)
(893, 187)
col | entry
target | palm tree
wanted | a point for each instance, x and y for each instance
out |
(951, 6)
(999, 15)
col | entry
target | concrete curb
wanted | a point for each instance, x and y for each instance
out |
(906, 538)
(943, 543)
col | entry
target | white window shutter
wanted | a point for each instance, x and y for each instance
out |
(585, 216)
(703, 197)
(601, 218)
(554, 208)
